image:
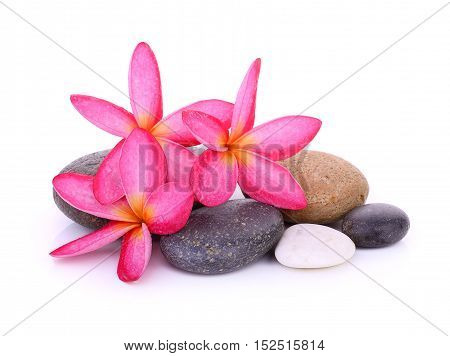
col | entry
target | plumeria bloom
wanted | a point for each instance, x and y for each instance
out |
(149, 206)
(146, 103)
(247, 155)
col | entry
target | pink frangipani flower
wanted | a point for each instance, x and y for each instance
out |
(247, 155)
(149, 205)
(146, 103)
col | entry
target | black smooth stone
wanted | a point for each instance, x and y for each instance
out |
(375, 225)
(85, 165)
(224, 238)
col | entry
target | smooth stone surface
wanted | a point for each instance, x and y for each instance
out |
(376, 225)
(224, 238)
(332, 187)
(85, 165)
(313, 246)
(89, 165)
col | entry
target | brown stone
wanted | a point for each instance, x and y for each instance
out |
(332, 186)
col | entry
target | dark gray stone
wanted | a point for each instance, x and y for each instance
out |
(85, 165)
(224, 238)
(89, 165)
(375, 225)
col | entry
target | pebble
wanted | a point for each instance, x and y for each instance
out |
(376, 225)
(332, 187)
(224, 238)
(85, 165)
(89, 165)
(313, 246)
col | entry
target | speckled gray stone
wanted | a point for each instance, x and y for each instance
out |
(86, 165)
(224, 238)
(375, 225)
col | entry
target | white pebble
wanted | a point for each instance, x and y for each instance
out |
(313, 246)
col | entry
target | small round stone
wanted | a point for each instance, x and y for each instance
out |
(84, 165)
(376, 225)
(313, 246)
(89, 165)
(332, 187)
(224, 238)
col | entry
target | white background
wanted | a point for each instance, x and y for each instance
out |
(392, 120)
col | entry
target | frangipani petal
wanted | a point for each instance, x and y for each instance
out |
(244, 107)
(268, 182)
(173, 128)
(281, 138)
(105, 115)
(77, 190)
(206, 129)
(179, 163)
(142, 168)
(145, 87)
(167, 209)
(134, 254)
(93, 241)
(107, 181)
(214, 177)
